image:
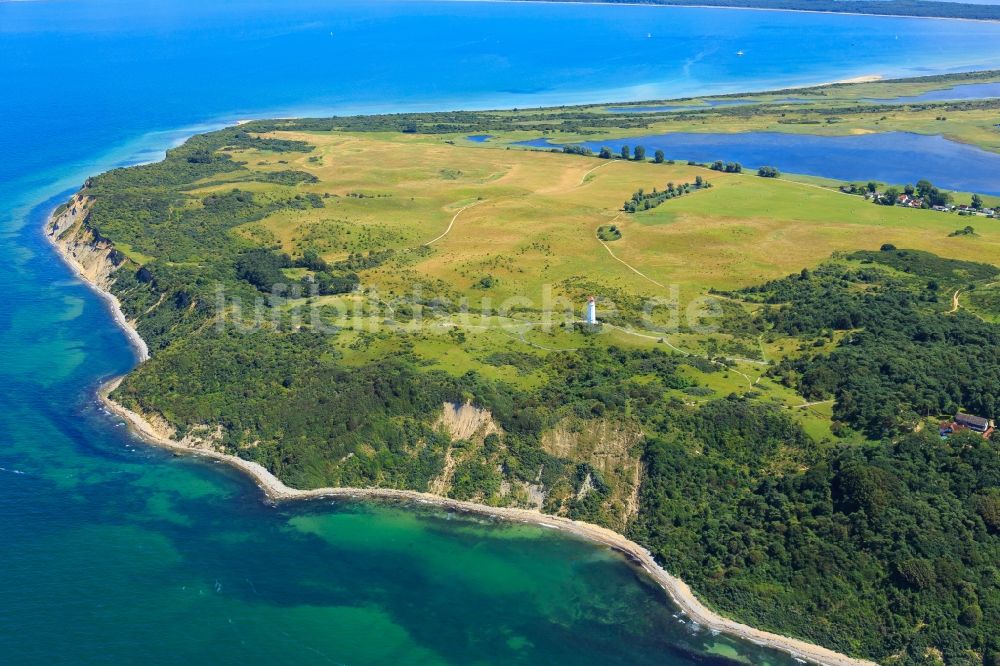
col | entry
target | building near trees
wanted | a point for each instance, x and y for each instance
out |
(965, 421)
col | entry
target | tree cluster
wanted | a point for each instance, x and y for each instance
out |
(726, 167)
(642, 200)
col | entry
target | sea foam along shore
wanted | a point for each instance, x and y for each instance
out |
(276, 490)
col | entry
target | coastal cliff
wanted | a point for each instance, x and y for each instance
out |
(95, 260)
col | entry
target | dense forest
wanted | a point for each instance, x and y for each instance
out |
(881, 550)
(884, 548)
(891, 548)
(902, 356)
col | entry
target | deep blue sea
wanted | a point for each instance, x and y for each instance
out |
(114, 552)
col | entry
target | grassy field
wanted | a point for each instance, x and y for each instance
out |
(512, 234)
(530, 218)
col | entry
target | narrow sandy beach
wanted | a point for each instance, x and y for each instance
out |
(864, 78)
(276, 490)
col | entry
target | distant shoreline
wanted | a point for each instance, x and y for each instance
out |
(864, 78)
(275, 489)
(695, 5)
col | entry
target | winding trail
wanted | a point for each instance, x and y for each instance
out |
(528, 342)
(954, 301)
(622, 261)
(583, 180)
(806, 405)
(814, 186)
(614, 219)
(663, 338)
(452, 223)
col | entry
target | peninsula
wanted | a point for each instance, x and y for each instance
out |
(396, 307)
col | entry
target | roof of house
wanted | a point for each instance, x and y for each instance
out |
(969, 419)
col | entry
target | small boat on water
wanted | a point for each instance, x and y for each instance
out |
(740, 52)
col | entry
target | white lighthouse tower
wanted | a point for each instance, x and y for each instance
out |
(591, 317)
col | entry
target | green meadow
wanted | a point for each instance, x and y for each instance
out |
(509, 228)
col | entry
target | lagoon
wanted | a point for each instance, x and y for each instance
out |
(890, 157)
(108, 73)
(954, 93)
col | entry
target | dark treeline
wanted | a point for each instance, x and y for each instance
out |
(586, 120)
(578, 150)
(264, 270)
(575, 120)
(642, 200)
(929, 195)
(726, 167)
(791, 114)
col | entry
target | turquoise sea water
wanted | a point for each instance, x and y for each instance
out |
(114, 552)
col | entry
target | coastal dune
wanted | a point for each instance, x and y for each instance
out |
(93, 261)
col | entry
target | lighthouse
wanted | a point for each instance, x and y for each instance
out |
(591, 317)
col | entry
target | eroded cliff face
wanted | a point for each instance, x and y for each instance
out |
(609, 449)
(466, 421)
(95, 259)
(612, 449)
(467, 426)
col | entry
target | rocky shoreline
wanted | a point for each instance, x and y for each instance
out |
(92, 260)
